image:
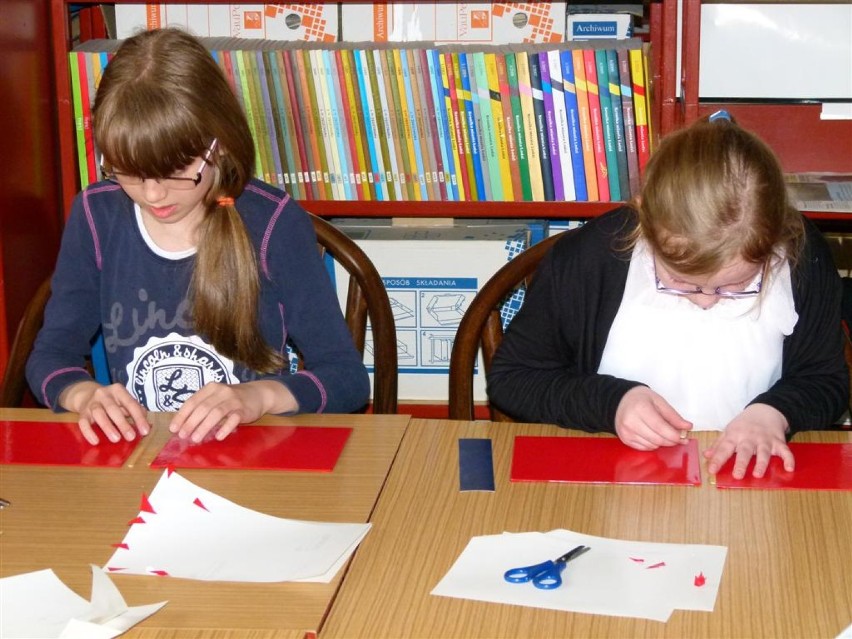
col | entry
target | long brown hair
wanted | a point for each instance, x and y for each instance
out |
(162, 100)
(714, 192)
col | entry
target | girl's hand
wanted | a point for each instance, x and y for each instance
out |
(645, 421)
(224, 407)
(111, 408)
(759, 431)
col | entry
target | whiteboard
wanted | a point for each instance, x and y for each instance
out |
(781, 51)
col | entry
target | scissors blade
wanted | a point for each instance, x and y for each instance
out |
(571, 554)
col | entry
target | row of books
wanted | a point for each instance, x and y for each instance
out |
(568, 122)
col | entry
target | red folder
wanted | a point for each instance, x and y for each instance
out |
(58, 444)
(599, 460)
(260, 448)
(818, 467)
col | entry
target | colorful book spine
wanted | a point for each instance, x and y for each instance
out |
(315, 135)
(550, 122)
(337, 168)
(499, 126)
(248, 106)
(412, 128)
(424, 128)
(618, 123)
(601, 168)
(477, 98)
(463, 153)
(585, 125)
(279, 133)
(489, 130)
(374, 136)
(518, 128)
(529, 128)
(509, 121)
(259, 76)
(354, 118)
(629, 120)
(458, 169)
(439, 113)
(560, 122)
(82, 162)
(470, 119)
(463, 127)
(380, 96)
(573, 116)
(347, 119)
(303, 125)
(541, 127)
(395, 110)
(608, 122)
(640, 109)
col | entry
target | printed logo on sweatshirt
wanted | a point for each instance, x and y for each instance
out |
(165, 372)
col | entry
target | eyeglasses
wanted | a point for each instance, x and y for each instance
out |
(719, 291)
(172, 182)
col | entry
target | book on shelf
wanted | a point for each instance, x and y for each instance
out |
(626, 88)
(529, 128)
(560, 125)
(608, 125)
(585, 115)
(500, 60)
(573, 118)
(541, 127)
(598, 143)
(411, 123)
(518, 129)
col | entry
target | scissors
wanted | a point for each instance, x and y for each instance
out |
(546, 575)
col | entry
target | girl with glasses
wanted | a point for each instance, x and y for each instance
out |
(708, 304)
(200, 277)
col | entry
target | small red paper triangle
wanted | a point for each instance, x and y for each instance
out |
(146, 506)
(136, 520)
(658, 565)
(700, 579)
(159, 573)
(197, 501)
(170, 469)
(121, 545)
(114, 569)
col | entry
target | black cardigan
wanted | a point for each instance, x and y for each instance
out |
(545, 370)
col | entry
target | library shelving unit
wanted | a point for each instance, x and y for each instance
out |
(661, 18)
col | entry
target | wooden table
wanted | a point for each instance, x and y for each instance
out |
(66, 518)
(788, 571)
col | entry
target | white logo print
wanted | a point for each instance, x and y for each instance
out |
(165, 372)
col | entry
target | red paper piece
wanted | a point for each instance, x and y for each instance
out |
(700, 579)
(146, 506)
(657, 565)
(58, 444)
(136, 520)
(197, 501)
(603, 460)
(818, 467)
(310, 448)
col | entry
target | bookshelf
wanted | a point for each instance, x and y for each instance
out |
(69, 182)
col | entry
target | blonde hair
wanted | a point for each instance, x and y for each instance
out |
(161, 101)
(713, 193)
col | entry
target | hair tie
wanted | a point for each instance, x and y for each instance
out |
(225, 201)
(721, 114)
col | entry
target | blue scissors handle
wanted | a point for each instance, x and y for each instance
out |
(546, 575)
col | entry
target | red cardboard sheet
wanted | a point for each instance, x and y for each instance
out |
(598, 460)
(818, 467)
(58, 444)
(260, 448)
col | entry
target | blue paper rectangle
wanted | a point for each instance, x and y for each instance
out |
(476, 469)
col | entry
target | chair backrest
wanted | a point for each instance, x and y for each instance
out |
(366, 298)
(482, 325)
(14, 380)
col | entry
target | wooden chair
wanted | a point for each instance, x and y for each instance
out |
(366, 298)
(482, 326)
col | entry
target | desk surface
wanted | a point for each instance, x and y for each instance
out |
(788, 572)
(66, 518)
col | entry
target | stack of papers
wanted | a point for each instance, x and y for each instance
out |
(615, 577)
(39, 605)
(185, 531)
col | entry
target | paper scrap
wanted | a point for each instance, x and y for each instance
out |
(38, 605)
(174, 539)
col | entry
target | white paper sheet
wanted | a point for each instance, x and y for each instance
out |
(616, 577)
(196, 534)
(38, 605)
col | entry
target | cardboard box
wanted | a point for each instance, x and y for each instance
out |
(314, 22)
(454, 22)
(432, 274)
